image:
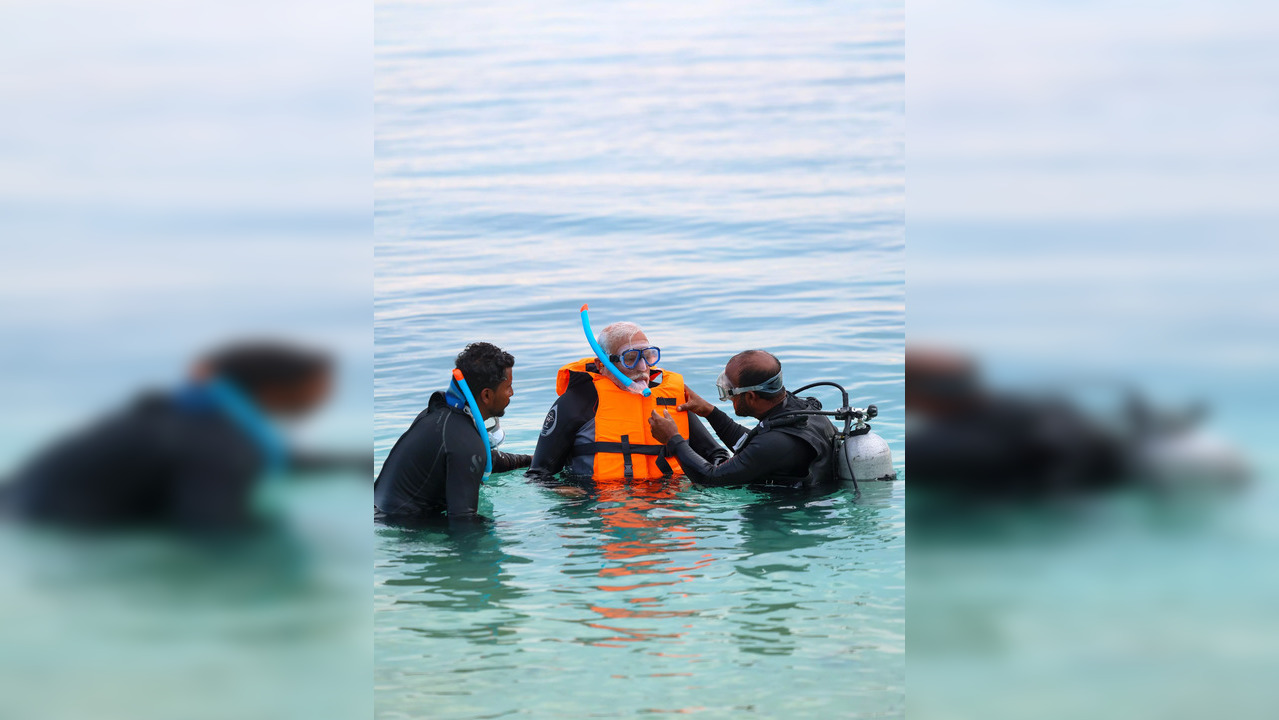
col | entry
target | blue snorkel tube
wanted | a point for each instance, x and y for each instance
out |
(223, 395)
(479, 422)
(634, 386)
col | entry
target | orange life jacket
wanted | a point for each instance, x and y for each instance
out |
(624, 445)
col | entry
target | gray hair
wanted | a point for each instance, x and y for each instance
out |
(614, 336)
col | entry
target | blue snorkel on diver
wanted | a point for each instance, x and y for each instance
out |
(223, 395)
(218, 394)
(479, 422)
(634, 386)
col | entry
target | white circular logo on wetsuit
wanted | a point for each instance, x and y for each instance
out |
(548, 425)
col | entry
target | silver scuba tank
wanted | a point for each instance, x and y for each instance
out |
(861, 455)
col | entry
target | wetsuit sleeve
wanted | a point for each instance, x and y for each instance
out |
(567, 415)
(729, 432)
(214, 488)
(316, 462)
(464, 471)
(762, 456)
(506, 462)
(702, 443)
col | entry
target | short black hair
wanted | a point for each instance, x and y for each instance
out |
(255, 365)
(755, 367)
(483, 365)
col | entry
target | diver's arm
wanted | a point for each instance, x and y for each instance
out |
(699, 438)
(726, 428)
(506, 462)
(310, 461)
(556, 441)
(761, 457)
(464, 471)
(559, 430)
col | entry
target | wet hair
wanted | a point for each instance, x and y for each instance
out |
(484, 365)
(257, 365)
(755, 367)
(612, 337)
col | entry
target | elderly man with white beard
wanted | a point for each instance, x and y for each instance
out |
(599, 428)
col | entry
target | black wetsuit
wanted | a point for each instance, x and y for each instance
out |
(437, 465)
(571, 421)
(154, 463)
(783, 450)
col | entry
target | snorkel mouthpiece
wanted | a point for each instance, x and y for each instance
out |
(479, 421)
(634, 386)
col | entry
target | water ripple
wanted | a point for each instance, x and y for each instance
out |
(728, 177)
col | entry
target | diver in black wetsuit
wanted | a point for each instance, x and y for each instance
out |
(784, 449)
(189, 459)
(437, 465)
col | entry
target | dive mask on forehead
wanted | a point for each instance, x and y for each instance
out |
(726, 389)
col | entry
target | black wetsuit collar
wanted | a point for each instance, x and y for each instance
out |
(439, 398)
(781, 414)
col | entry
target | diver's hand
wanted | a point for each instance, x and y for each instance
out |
(663, 428)
(695, 404)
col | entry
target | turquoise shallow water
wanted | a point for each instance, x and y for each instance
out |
(1131, 604)
(728, 177)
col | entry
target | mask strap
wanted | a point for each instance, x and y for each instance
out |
(770, 385)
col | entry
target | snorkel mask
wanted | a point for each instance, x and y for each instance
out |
(727, 391)
(495, 432)
(629, 357)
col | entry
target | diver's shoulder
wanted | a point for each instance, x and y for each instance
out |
(581, 386)
(797, 402)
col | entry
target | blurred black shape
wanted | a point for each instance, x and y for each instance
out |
(193, 458)
(968, 440)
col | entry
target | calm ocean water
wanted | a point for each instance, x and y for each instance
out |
(1131, 604)
(729, 176)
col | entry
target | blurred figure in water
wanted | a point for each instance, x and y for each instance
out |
(191, 458)
(968, 439)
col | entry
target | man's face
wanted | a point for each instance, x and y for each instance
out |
(299, 399)
(638, 341)
(501, 397)
(742, 406)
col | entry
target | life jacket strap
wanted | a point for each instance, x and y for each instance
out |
(626, 449)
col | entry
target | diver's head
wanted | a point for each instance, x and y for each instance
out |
(629, 350)
(487, 369)
(753, 381)
(942, 383)
(283, 380)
